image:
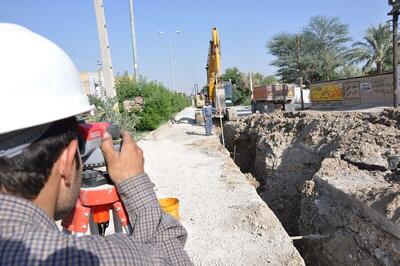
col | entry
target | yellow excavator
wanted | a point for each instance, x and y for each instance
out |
(219, 93)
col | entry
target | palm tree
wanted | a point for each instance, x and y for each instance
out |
(375, 50)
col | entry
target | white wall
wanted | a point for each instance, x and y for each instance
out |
(297, 95)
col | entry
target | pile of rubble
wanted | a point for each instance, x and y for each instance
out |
(334, 174)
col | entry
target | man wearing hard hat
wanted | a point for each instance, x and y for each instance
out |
(40, 168)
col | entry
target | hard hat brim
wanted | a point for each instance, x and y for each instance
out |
(43, 114)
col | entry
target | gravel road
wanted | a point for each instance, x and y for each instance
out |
(227, 222)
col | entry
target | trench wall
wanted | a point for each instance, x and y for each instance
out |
(327, 175)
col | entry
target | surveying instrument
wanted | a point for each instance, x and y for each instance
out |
(98, 196)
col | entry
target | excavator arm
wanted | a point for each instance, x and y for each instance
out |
(213, 66)
(217, 90)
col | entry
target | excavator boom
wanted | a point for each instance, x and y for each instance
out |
(219, 93)
(213, 65)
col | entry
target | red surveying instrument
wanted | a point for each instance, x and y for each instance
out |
(98, 195)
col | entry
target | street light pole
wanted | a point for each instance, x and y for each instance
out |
(395, 50)
(133, 35)
(171, 61)
(298, 52)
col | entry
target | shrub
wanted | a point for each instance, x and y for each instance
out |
(159, 103)
(107, 111)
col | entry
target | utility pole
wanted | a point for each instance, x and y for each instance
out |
(395, 13)
(395, 49)
(298, 50)
(109, 82)
(133, 35)
(100, 92)
(251, 85)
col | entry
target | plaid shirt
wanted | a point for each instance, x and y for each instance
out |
(29, 237)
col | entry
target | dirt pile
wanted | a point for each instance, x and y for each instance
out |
(328, 173)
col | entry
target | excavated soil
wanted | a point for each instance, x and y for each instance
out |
(333, 174)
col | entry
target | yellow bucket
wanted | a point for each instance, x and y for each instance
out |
(170, 206)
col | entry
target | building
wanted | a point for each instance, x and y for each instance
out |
(92, 83)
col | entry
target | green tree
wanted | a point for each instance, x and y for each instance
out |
(329, 38)
(284, 46)
(269, 80)
(241, 90)
(260, 79)
(234, 75)
(348, 71)
(316, 53)
(257, 78)
(375, 52)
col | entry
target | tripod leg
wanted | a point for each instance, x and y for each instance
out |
(77, 222)
(123, 217)
(115, 222)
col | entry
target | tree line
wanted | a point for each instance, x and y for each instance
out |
(323, 50)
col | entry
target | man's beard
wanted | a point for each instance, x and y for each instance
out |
(66, 204)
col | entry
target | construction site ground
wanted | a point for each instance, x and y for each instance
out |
(330, 177)
(227, 222)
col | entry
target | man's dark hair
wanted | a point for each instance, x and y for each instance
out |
(25, 174)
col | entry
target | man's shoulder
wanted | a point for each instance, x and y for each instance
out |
(43, 243)
(26, 244)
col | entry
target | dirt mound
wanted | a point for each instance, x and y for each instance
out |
(357, 153)
(368, 141)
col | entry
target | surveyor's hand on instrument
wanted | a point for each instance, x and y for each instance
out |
(126, 163)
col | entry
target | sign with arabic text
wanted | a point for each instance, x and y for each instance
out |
(325, 93)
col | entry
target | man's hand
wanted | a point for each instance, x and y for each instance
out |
(126, 163)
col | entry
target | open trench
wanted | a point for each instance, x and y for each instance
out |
(331, 178)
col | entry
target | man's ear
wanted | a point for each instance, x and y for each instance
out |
(66, 161)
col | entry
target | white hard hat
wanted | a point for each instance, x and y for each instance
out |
(38, 81)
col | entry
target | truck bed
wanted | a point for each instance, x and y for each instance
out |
(275, 93)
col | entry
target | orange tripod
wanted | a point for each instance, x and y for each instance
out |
(97, 197)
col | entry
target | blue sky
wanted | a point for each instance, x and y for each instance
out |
(244, 25)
